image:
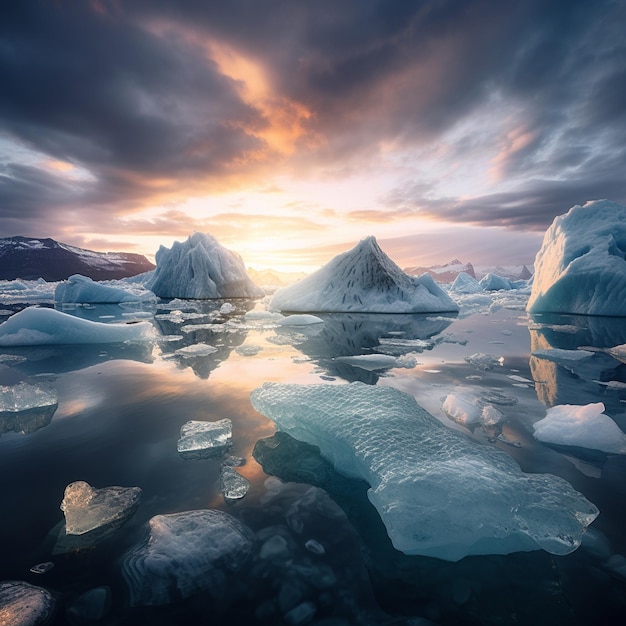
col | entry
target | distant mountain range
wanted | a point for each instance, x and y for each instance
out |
(30, 258)
(447, 272)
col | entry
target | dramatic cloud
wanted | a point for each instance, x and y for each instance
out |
(462, 111)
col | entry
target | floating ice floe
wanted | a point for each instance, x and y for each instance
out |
(370, 362)
(303, 319)
(40, 326)
(200, 268)
(462, 408)
(227, 308)
(484, 361)
(583, 426)
(581, 266)
(438, 493)
(559, 355)
(204, 439)
(23, 397)
(196, 350)
(22, 604)
(363, 279)
(87, 509)
(79, 288)
(184, 554)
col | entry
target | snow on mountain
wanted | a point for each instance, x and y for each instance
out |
(200, 268)
(30, 258)
(581, 266)
(363, 279)
(446, 273)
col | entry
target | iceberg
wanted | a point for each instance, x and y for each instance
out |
(87, 509)
(35, 326)
(365, 280)
(493, 282)
(438, 493)
(186, 553)
(581, 426)
(464, 283)
(200, 268)
(204, 439)
(581, 266)
(79, 288)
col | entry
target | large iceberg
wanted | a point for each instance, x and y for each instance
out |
(438, 493)
(35, 326)
(201, 268)
(79, 288)
(581, 266)
(366, 280)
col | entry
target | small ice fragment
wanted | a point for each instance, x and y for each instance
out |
(42, 568)
(22, 397)
(370, 362)
(303, 319)
(484, 361)
(192, 328)
(406, 362)
(611, 384)
(204, 439)
(248, 350)
(559, 355)
(520, 379)
(226, 309)
(88, 509)
(506, 332)
(196, 350)
(232, 484)
(490, 416)
(463, 409)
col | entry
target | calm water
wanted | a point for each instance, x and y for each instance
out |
(118, 421)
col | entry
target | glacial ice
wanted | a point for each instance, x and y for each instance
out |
(233, 485)
(184, 554)
(371, 362)
(204, 439)
(464, 283)
(23, 397)
(200, 268)
(40, 326)
(438, 493)
(303, 319)
(581, 266)
(87, 509)
(79, 288)
(493, 282)
(363, 279)
(585, 426)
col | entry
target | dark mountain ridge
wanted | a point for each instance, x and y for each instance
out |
(30, 258)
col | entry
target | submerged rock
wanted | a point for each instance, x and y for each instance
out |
(22, 604)
(186, 553)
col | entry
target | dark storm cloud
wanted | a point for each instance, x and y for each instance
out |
(125, 89)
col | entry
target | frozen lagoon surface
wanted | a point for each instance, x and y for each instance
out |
(319, 551)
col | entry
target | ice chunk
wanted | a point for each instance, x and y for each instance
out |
(227, 308)
(38, 326)
(201, 268)
(304, 319)
(79, 288)
(87, 509)
(438, 493)
(490, 416)
(581, 266)
(484, 361)
(618, 352)
(464, 283)
(363, 279)
(371, 362)
(232, 484)
(204, 439)
(585, 426)
(22, 397)
(463, 409)
(186, 553)
(196, 350)
(559, 355)
(22, 604)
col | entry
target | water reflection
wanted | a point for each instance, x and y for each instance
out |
(569, 381)
(352, 334)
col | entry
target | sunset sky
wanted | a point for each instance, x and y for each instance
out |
(291, 129)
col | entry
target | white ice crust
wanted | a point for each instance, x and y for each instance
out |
(200, 268)
(583, 426)
(438, 493)
(39, 326)
(366, 280)
(79, 288)
(581, 266)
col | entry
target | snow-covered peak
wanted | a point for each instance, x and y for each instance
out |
(363, 279)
